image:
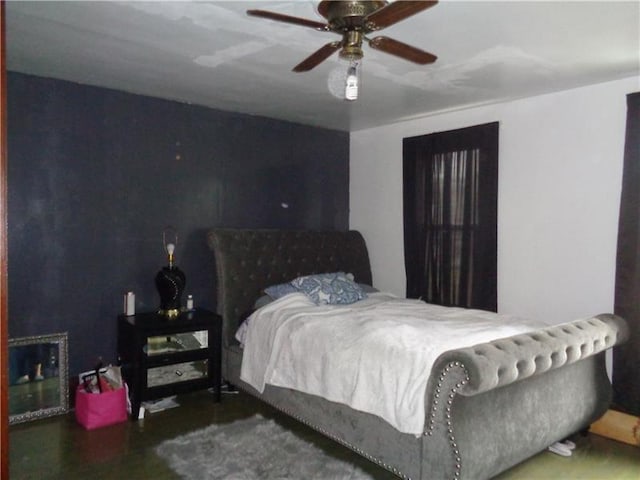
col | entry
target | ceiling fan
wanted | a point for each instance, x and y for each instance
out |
(354, 20)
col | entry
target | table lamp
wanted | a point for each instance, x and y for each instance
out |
(170, 280)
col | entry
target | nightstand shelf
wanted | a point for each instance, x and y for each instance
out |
(163, 357)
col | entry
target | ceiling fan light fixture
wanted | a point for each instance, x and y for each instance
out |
(351, 54)
(352, 82)
(352, 46)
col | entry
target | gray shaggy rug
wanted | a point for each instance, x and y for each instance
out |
(253, 448)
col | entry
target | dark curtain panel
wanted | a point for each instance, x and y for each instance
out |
(450, 216)
(626, 358)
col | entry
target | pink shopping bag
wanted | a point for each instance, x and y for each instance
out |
(95, 410)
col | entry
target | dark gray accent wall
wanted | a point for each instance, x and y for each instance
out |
(95, 175)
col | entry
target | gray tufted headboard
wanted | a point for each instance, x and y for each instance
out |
(247, 261)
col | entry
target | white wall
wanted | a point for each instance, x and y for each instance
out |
(559, 189)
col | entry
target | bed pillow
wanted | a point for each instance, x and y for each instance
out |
(262, 301)
(329, 288)
(280, 290)
(368, 288)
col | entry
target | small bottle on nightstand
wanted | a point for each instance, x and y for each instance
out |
(189, 302)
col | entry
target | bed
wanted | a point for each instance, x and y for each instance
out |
(487, 407)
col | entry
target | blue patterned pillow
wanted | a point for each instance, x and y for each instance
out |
(330, 288)
(280, 290)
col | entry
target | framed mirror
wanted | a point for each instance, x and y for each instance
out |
(38, 377)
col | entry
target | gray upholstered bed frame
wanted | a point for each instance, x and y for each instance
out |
(489, 407)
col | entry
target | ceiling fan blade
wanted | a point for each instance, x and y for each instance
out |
(399, 49)
(395, 12)
(279, 17)
(317, 57)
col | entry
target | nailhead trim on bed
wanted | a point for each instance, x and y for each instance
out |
(436, 404)
(326, 433)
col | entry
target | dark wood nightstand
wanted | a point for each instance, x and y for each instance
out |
(162, 357)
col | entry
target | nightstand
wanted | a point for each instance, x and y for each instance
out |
(163, 357)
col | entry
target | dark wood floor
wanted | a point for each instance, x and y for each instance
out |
(57, 448)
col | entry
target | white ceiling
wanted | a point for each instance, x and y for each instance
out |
(213, 54)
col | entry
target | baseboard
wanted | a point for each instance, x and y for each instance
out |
(618, 426)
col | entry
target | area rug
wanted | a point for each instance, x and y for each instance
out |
(253, 448)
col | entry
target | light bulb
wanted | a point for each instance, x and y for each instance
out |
(351, 84)
(169, 241)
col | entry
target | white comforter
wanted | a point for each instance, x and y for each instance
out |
(374, 355)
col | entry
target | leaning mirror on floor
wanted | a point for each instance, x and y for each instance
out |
(38, 377)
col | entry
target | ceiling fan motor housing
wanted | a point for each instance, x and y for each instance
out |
(347, 15)
(348, 19)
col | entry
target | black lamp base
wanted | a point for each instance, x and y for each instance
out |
(170, 282)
